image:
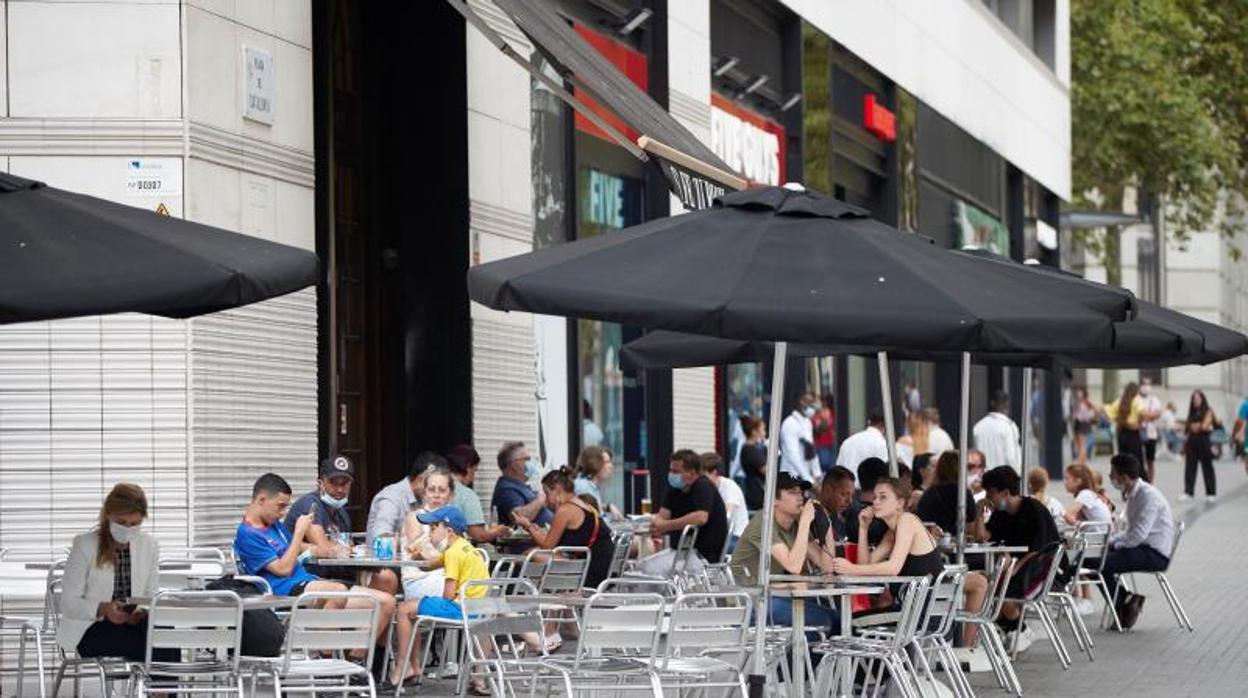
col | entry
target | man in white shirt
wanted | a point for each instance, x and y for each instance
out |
(797, 441)
(734, 498)
(938, 440)
(868, 443)
(1149, 423)
(997, 435)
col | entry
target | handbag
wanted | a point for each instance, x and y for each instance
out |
(263, 632)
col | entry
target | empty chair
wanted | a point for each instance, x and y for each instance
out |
(205, 628)
(494, 627)
(1061, 596)
(988, 636)
(330, 633)
(705, 644)
(617, 647)
(189, 573)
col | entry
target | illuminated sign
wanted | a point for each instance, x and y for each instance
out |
(878, 120)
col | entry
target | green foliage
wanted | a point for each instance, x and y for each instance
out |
(1159, 101)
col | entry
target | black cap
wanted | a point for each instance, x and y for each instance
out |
(336, 466)
(788, 481)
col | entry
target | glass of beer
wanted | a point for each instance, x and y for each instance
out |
(645, 505)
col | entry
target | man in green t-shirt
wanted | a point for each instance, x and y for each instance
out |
(792, 550)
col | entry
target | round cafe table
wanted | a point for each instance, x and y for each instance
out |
(799, 588)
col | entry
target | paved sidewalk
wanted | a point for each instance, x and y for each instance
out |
(1157, 658)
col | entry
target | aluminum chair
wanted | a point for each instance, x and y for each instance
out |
(706, 638)
(622, 540)
(107, 669)
(987, 634)
(1035, 602)
(878, 651)
(1167, 589)
(1062, 598)
(931, 637)
(682, 561)
(206, 628)
(195, 553)
(313, 628)
(494, 627)
(1092, 569)
(617, 648)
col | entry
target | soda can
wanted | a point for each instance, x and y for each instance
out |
(383, 547)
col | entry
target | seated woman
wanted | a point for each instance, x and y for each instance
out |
(593, 468)
(907, 549)
(576, 524)
(1088, 506)
(417, 583)
(107, 565)
(1038, 486)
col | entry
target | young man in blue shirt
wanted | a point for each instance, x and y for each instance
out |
(265, 548)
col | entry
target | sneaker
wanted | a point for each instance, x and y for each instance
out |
(972, 659)
(1025, 639)
(1211, 498)
(1185, 497)
(1085, 607)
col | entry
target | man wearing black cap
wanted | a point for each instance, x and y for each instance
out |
(330, 533)
(792, 550)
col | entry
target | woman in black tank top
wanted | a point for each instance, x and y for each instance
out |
(576, 524)
(907, 549)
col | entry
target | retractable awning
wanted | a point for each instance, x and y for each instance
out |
(693, 172)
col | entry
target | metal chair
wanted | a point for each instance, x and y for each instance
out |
(335, 631)
(1063, 598)
(1091, 571)
(619, 557)
(181, 574)
(944, 598)
(106, 669)
(206, 628)
(617, 648)
(195, 553)
(1035, 602)
(987, 634)
(1167, 589)
(494, 627)
(705, 638)
(878, 651)
(685, 551)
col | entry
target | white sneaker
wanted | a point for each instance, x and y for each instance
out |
(1025, 639)
(1185, 497)
(1085, 607)
(1211, 498)
(972, 659)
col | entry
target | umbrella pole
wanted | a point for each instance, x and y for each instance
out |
(762, 611)
(963, 429)
(1022, 428)
(890, 430)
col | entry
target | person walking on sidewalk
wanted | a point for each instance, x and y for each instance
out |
(1200, 422)
(1149, 423)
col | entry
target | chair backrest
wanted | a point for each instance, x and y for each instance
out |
(628, 624)
(711, 621)
(997, 590)
(1179, 528)
(685, 549)
(565, 570)
(494, 624)
(196, 621)
(192, 553)
(622, 540)
(533, 567)
(913, 596)
(1049, 560)
(259, 582)
(625, 585)
(52, 597)
(314, 627)
(1095, 535)
(944, 597)
(176, 574)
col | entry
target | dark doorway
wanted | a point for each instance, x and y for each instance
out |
(392, 218)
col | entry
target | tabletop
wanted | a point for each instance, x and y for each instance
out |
(368, 562)
(250, 603)
(811, 590)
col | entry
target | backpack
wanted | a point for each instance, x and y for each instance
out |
(263, 632)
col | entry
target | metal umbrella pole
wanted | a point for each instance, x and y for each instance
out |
(963, 429)
(890, 431)
(1022, 431)
(761, 612)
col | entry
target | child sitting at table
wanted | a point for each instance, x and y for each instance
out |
(461, 563)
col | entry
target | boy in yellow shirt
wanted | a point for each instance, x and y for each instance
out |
(460, 562)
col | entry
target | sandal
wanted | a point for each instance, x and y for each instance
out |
(477, 687)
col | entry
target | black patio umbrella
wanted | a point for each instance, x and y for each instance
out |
(791, 266)
(64, 254)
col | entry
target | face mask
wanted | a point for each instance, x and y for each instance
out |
(332, 502)
(122, 534)
(809, 411)
(1003, 505)
(531, 469)
(973, 479)
(1117, 484)
(675, 481)
(1144, 390)
(441, 545)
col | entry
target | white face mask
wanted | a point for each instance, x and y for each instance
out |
(441, 545)
(122, 534)
(808, 411)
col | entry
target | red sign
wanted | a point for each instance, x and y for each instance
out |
(630, 62)
(877, 119)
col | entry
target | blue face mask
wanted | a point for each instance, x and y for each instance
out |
(531, 469)
(675, 481)
(332, 502)
(1003, 505)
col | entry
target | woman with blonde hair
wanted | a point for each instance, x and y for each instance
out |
(916, 439)
(107, 566)
(1080, 481)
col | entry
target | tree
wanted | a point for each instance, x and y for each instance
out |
(1159, 105)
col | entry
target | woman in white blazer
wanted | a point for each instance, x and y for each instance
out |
(107, 565)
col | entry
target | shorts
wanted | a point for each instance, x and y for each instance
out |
(430, 584)
(1150, 450)
(1083, 427)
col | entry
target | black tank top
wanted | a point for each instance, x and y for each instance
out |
(593, 533)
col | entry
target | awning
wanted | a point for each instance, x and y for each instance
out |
(693, 172)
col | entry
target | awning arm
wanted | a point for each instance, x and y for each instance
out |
(470, 16)
(691, 163)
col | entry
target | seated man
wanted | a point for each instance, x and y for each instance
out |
(734, 499)
(1019, 521)
(870, 472)
(392, 504)
(263, 548)
(1146, 542)
(692, 501)
(836, 494)
(464, 462)
(791, 551)
(512, 493)
(329, 535)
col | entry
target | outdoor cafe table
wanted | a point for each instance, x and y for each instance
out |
(990, 551)
(250, 603)
(368, 563)
(798, 588)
